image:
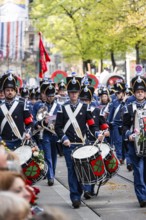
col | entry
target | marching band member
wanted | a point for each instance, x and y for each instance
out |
(2, 96)
(139, 88)
(15, 118)
(37, 93)
(131, 97)
(32, 95)
(62, 93)
(24, 92)
(71, 128)
(61, 98)
(104, 102)
(32, 98)
(49, 138)
(40, 103)
(112, 92)
(86, 96)
(115, 120)
(42, 100)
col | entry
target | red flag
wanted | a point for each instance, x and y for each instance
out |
(43, 58)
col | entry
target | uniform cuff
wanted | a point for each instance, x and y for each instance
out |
(64, 138)
(127, 134)
(97, 133)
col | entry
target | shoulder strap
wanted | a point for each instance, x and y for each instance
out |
(74, 122)
(134, 107)
(11, 110)
(53, 108)
(116, 111)
(11, 122)
(75, 114)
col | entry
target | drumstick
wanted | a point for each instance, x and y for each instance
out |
(97, 141)
(102, 139)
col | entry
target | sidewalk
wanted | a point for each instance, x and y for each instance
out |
(116, 199)
(58, 197)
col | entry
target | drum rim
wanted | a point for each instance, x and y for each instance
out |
(87, 158)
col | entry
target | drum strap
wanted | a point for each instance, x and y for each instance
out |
(11, 110)
(73, 121)
(53, 108)
(8, 118)
(116, 111)
(134, 108)
(72, 113)
(92, 108)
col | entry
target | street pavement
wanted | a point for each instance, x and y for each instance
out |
(116, 199)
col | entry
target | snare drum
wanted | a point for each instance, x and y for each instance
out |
(31, 169)
(88, 164)
(110, 160)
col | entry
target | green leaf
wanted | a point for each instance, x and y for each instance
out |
(98, 166)
(95, 168)
(112, 164)
(31, 171)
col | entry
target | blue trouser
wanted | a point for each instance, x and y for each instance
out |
(13, 145)
(126, 153)
(127, 157)
(145, 170)
(74, 185)
(38, 141)
(138, 168)
(117, 141)
(89, 188)
(50, 153)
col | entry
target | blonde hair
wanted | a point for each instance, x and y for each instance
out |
(13, 207)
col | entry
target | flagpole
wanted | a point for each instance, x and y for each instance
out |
(8, 64)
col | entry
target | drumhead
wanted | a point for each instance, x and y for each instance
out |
(24, 153)
(105, 149)
(85, 152)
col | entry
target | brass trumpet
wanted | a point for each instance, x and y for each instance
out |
(41, 115)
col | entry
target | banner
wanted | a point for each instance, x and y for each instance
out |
(13, 10)
(13, 17)
(43, 58)
(21, 3)
(11, 39)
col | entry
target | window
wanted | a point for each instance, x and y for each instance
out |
(31, 40)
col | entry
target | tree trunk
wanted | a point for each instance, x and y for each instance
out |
(113, 60)
(137, 53)
(85, 65)
(101, 63)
